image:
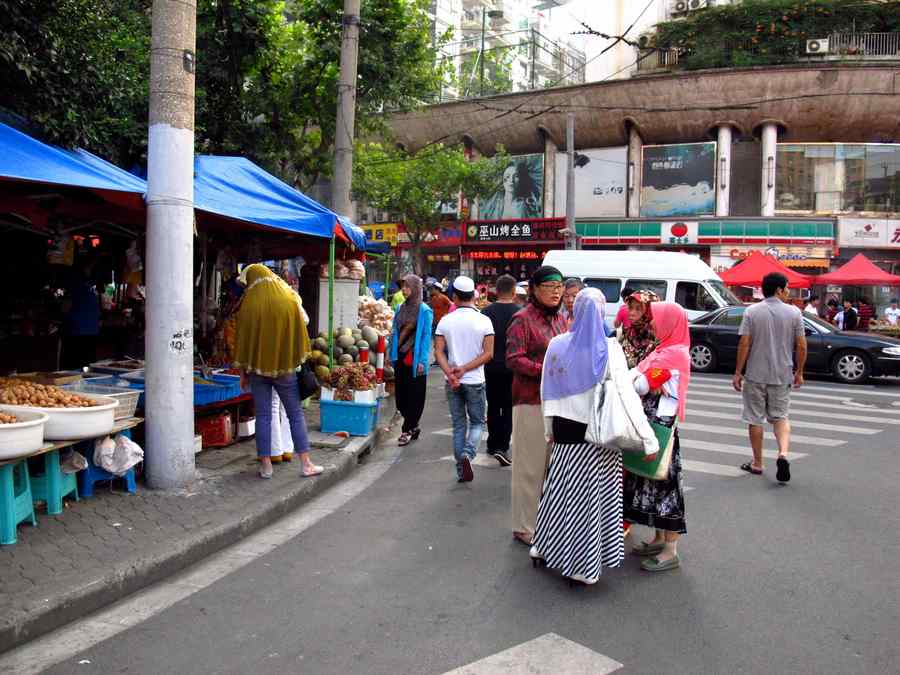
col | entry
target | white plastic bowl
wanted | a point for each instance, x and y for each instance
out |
(22, 437)
(72, 424)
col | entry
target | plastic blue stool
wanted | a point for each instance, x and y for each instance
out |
(94, 474)
(16, 504)
(52, 485)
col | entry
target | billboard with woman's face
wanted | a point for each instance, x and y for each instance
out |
(678, 180)
(520, 193)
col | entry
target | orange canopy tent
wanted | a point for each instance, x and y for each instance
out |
(859, 271)
(751, 270)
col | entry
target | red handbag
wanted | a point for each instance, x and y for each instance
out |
(408, 359)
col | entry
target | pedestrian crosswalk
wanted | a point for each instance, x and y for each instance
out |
(714, 439)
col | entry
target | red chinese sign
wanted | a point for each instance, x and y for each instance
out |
(505, 255)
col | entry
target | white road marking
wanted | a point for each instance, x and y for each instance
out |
(797, 410)
(742, 432)
(801, 424)
(715, 469)
(63, 643)
(732, 449)
(734, 396)
(549, 654)
(802, 391)
(831, 387)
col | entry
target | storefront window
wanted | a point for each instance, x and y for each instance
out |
(837, 178)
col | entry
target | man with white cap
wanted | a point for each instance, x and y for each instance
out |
(468, 337)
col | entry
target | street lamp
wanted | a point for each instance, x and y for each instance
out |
(485, 13)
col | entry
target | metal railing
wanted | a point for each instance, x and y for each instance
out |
(864, 44)
(656, 59)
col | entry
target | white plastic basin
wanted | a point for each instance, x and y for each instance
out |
(72, 424)
(22, 437)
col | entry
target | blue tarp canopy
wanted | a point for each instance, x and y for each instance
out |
(233, 187)
(25, 158)
(237, 188)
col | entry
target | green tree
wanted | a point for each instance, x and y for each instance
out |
(267, 80)
(414, 186)
(497, 73)
(77, 71)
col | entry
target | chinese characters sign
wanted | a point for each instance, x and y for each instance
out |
(678, 233)
(505, 255)
(869, 232)
(386, 232)
(513, 231)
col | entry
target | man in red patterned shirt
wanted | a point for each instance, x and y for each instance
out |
(527, 338)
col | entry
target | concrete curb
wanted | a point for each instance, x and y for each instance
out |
(132, 576)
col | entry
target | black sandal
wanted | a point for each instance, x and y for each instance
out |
(748, 467)
(415, 433)
(783, 475)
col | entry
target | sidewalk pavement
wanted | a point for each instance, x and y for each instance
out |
(101, 549)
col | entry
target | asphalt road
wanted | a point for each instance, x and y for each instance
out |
(419, 574)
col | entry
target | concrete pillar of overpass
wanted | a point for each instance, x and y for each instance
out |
(633, 172)
(723, 169)
(550, 206)
(769, 137)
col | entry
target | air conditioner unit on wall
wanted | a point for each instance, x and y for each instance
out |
(817, 46)
(697, 4)
(679, 7)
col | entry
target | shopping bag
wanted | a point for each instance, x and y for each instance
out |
(307, 382)
(658, 468)
(618, 420)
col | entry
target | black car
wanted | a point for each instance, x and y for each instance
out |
(850, 356)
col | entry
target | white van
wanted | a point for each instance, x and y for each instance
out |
(677, 277)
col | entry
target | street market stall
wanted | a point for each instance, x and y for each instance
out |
(861, 272)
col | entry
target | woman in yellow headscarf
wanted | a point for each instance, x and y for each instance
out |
(271, 342)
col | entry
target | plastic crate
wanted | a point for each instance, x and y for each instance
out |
(127, 398)
(223, 388)
(357, 419)
(216, 431)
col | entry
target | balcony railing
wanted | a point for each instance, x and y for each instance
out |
(656, 59)
(853, 46)
(864, 44)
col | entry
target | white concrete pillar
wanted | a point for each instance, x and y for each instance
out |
(633, 175)
(550, 207)
(769, 159)
(723, 170)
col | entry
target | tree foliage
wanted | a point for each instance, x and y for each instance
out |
(77, 71)
(761, 32)
(414, 186)
(267, 74)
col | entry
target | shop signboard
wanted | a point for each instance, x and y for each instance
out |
(386, 232)
(514, 231)
(678, 180)
(679, 232)
(520, 193)
(601, 189)
(869, 232)
(510, 254)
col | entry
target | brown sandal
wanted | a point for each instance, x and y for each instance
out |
(405, 439)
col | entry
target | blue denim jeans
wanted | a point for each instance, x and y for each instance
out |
(467, 411)
(289, 393)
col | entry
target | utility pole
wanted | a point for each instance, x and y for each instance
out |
(571, 238)
(346, 111)
(481, 54)
(170, 246)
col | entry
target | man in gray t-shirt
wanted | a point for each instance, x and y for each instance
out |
(771, 332)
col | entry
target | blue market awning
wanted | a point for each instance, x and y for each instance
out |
(237, 188)
(27, 159)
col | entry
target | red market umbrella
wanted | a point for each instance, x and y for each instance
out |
(753, 268)
(859, 271)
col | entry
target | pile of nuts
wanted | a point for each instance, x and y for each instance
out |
(19, 392)
(7, 419)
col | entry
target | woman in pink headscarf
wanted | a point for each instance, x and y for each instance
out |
(661, 379)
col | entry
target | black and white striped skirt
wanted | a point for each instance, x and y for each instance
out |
(579, 521)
